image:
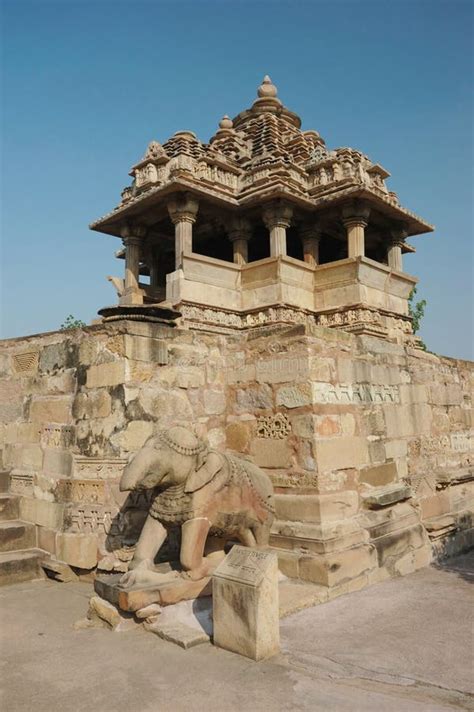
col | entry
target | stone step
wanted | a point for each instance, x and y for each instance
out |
(18, 566)
(4, 480)
(17, 535)
(9, 507)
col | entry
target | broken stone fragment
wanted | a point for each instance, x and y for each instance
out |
(149, 613)
(107, 612)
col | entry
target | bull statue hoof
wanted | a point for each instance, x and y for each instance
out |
(205, 492)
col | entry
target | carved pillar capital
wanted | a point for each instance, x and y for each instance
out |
(183, 208)
(397, 236)
(355, 214)
(277, 214)
(239, 229)
(310, 231)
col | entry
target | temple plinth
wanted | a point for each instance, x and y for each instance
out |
(264, 223)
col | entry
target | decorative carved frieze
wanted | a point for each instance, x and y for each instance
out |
(355, 393)
(273, 426)
(21, 483)
(462, 442)
(26, 362)
(97, 467)
(57, 436)
(90, 491)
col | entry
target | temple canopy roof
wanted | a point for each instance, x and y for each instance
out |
(260, 155)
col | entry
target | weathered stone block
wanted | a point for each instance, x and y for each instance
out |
(93, 404)
(316, 507)
(245, 603)
(54, 409)
(77, 549)
(143, 348)
(238, 436)
(334, 569)
(11, 400)
(53, 357)
(57, 462)
(214, 402)
(341, 453)
(47, 539)
(270, 453)
(39, 511)
(106, 374)
(293, 396)
(379, 475)
(253, 398)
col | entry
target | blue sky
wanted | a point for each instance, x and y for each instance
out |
(86, 86)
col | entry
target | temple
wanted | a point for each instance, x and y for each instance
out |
(265, 224)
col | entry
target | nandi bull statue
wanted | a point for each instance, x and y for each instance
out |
(203, 491)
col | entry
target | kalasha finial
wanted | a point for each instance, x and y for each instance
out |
(267, 88)
(225, 122)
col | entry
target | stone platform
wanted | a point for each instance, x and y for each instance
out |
(400, 646)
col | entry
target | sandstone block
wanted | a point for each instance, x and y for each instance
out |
(47, 539)
(338, 567)
(57, 462)
(39, 511)
(294, 396)
(143, 348)
(270, 453)
(407, 420)
(238, 436)
(214, 402)
(316, 507)
(253, 398)
(179, 633)
(11, 400)
(54, 409)
(93, 404)
(77, 549)
(106, 374)
(53, 357)
(379, 475)
(341, 453)
(245, 603)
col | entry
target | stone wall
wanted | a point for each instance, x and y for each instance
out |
(368, 443)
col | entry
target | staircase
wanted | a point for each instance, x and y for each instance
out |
(20, 560)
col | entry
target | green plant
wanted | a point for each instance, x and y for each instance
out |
(72, 323)
(417, 312)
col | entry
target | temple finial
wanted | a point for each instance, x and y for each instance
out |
(267, 88)
(225, 122)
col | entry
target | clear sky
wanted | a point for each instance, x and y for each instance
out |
(87, 85)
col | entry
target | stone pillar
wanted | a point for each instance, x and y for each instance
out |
(183, 213)
(394, 249)
(355, 218)
(310, 236)
(132, 238)
(277, 218)
(239, 233)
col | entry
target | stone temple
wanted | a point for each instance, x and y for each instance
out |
(263, 311)
(265, 224)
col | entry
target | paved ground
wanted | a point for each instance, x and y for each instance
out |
(404, 645)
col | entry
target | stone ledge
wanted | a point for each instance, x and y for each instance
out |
(384, 497)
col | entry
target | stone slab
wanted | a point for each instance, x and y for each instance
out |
(135, 598)
(178, 633)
